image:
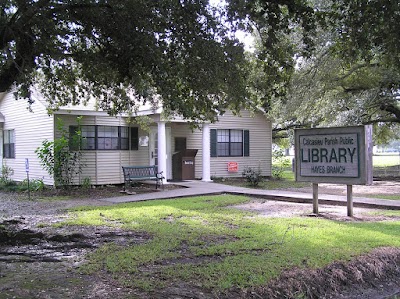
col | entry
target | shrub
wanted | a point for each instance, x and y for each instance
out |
(86, 183)
(8, 185)
(252, 176)
(34, 185)
(12, 186)
(6, 173)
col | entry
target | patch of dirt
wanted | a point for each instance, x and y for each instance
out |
(38, 260)
(96, 192)
(360, 278)
(270, 208)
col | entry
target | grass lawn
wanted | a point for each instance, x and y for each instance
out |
(382, 196)
(201, 241)
(385, 160)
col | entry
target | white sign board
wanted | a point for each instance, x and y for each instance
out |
(334, 155)
(144, 140)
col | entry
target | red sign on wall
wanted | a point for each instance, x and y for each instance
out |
(233, 167)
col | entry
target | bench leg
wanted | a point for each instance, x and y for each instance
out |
(127, 184)
(159, 183)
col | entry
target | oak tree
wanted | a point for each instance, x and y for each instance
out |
(182, 55)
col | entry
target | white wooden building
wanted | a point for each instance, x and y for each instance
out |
(224, 148)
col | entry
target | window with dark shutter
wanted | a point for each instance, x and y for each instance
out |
(9, 144)
(102, 138)
(230, 143)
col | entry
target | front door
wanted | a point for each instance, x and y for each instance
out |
(154, 149)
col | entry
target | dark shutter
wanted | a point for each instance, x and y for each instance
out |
(246, 143)
(73, 141)
(213, 141)
(134, 139)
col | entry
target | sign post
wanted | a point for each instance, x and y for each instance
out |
(350, 200)
(315, 198)
(341, 155)
(27, 176)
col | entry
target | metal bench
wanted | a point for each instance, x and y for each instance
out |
(142, 173)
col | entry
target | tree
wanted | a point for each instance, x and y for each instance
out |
(123, 53)
(181, 54)
(352, 76)
(284, 31)
(367, 29)
(369, 37)
(327, 91)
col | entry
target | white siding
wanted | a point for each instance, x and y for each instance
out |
(260, 130)
(31, 128)
(260, 144)
(105, 166)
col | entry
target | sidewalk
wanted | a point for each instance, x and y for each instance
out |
(199, 188)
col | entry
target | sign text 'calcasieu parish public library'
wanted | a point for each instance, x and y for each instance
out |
(334, 155)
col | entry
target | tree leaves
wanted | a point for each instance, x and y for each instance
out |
(182, 55)
(123, 53)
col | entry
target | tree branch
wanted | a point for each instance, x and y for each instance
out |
(354, 69)
(391, 109)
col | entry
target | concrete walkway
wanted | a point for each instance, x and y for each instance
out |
(198, 188)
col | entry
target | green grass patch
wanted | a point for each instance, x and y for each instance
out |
(385, 160)
(388, 213)
(382, 196)
(202, 240)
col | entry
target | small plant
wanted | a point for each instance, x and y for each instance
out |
(6, 173)
(57, 158)
(279, 163)
(217, 179)
(8, 185)
(86, 183)
(252, 176)
(34, 185)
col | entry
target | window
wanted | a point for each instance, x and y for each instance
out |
(229, 143)
(124, 138)
(105, 137)
(88, 134)
(9, 144)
